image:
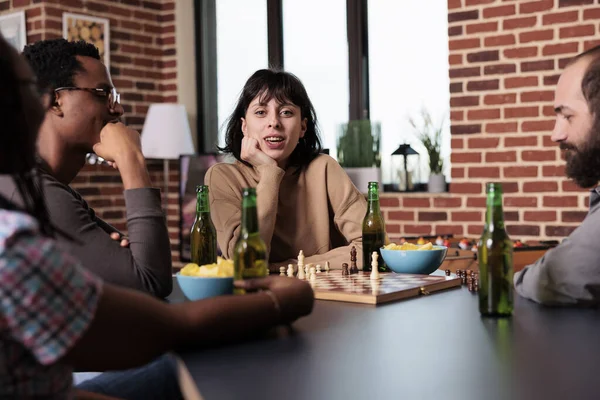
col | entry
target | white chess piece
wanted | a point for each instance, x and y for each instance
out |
(318, 268)
(301, 270)
(301, 273)
(313, 275)
(290, 271)
(307, 268)
(281, 271)
(327, 266)
(374, 266)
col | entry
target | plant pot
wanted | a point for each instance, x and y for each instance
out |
(437, 183)
(362, 176)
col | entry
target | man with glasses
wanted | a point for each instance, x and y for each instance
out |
(83, 117)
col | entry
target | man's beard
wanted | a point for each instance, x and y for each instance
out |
(583, 164)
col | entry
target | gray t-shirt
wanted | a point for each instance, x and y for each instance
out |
(144, 265)
(569, 273)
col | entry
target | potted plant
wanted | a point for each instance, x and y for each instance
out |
(431, 138)
(358, 151)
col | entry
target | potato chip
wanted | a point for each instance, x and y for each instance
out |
(409, 246)
(426, 246)
(222, 268)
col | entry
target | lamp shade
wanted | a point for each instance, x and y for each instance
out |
(404, 150)
(166, 133)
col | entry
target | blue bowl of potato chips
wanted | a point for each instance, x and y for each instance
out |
(197, 288)
(413, 259)
(201, 282)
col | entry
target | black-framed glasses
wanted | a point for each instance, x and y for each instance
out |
(113, 96)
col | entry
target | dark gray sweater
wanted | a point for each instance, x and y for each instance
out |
(144, 265)
(569, 273)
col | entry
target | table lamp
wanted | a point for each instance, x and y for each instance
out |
(166, 135)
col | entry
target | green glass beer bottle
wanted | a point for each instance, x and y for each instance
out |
(250, 252)
(203, 236)
(495, 256)
(373, 230)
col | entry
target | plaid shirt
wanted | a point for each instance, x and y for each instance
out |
(46, 303)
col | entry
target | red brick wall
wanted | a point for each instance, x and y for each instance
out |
(143, 67)
(505, 58)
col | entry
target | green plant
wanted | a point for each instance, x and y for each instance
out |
(431, 138)
(358, 144)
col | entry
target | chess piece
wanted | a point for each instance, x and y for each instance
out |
(281, 271)
(327, 266)
(374, 266)
(353, 266)
(313, 274)
(301, 273)
(318, 268)
(345, 269)
(301, 264)
(307, 269)
(290, 271)
(448, 272)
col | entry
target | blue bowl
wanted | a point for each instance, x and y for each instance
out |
(196, 288)
(422, 262)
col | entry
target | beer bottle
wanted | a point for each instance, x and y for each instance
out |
(250, 252)
(495, 255)
(203, 236)
(373, 230)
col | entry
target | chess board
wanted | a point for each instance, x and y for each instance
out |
(358, 288)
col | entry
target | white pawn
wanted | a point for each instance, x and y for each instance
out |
(374, 266)
(281, 271)
(318, 268)
(307, 268)
(313, 275)
(326, 266)
(290, 271)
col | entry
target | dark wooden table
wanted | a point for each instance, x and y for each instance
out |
(431, 347)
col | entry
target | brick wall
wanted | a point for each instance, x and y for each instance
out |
(143, 67)
(505, 58)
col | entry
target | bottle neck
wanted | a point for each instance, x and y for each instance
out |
(249, 216)
(494, 215)
(202, 204)
(373, 202)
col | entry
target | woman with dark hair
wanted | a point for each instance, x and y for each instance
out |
(305, 199)
(55, 316)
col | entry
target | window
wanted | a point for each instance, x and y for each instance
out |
(408, 74)
(241, 50)
(316, 51)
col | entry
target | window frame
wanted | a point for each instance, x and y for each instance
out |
(206, 55)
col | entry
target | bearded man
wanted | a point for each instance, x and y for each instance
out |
(570, 273)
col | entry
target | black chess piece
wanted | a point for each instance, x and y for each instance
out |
(345, 269)
(353, 266)
(448, 272)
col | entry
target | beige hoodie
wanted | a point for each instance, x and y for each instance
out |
(317, 210)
